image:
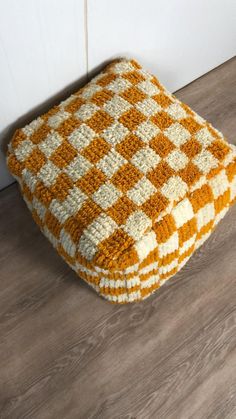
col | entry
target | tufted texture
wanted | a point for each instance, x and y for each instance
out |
(124, 180)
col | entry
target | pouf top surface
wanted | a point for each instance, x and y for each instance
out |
(112, 160)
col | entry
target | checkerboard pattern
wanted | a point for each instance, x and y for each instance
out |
(124, 180)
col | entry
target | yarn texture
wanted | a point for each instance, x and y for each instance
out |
(124, 180)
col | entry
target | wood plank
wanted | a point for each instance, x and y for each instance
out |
(67, 353)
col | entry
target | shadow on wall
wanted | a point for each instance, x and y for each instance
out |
(7, 133)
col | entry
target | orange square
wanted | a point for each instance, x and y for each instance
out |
(126, 177)
(26, 192)
(219, 149)
(61, 187)
(164, 228)
(133, 95)
(190, 174)
(231, 170)
(68, 126)
(106, 79)
(187, 230)
(135, 64)
(50, 113)
(96, 150)
(114, 245)
(121, 210)
(17, 138)
(53, 224)
(162, 100)
(200, 197)
(35, 161)
(160, 174)
(100, 98)
(191, 147)
(100, 121)
(129, 146)
(133, 77)
(155, 205)
(132, 118)
(74, 105)
(162, 145)
(14, 165)
(222, 201)
(162, 120)
(190, 124)
(91, 181)
(40, 134)
(85, 216)
(63, 155)
(43, 194)
(156, 82)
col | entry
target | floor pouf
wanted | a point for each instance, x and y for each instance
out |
(124, 180)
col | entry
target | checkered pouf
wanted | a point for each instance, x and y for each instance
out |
(124, 180)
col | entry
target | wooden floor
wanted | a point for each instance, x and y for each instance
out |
(65, 353)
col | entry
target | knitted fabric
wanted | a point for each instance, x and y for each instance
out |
(124, 180)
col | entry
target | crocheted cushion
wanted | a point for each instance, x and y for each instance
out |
(124, 180)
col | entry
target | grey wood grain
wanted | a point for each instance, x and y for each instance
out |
(67, 353)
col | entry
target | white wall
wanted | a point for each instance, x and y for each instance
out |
(47, 45)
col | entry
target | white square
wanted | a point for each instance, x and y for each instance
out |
(55, 120)
(176, 111)
(110, 163)
(177, 160)
(115, 133)
(90, 90)
(146, 131)
(74, 201)
(183, 212)
(148, 88)
(122, 67)
(148, 107)
(86, 111)
(141, 191)
(119, 85)
(169, 246)
(137, 224)
(205, 214)
(67, 243)
(70, 206)
(219, 184)
(77, 167)
(48, 173)
(67, 101)
(29, 129)
(174, 189)
(205, 161)
(50, 144)
(204, 137)
(145, 159)
(116, 106)
(146, 245)
(24, 150)
(81, 137)
(100, 229)
(106, 195)
(177, 134)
